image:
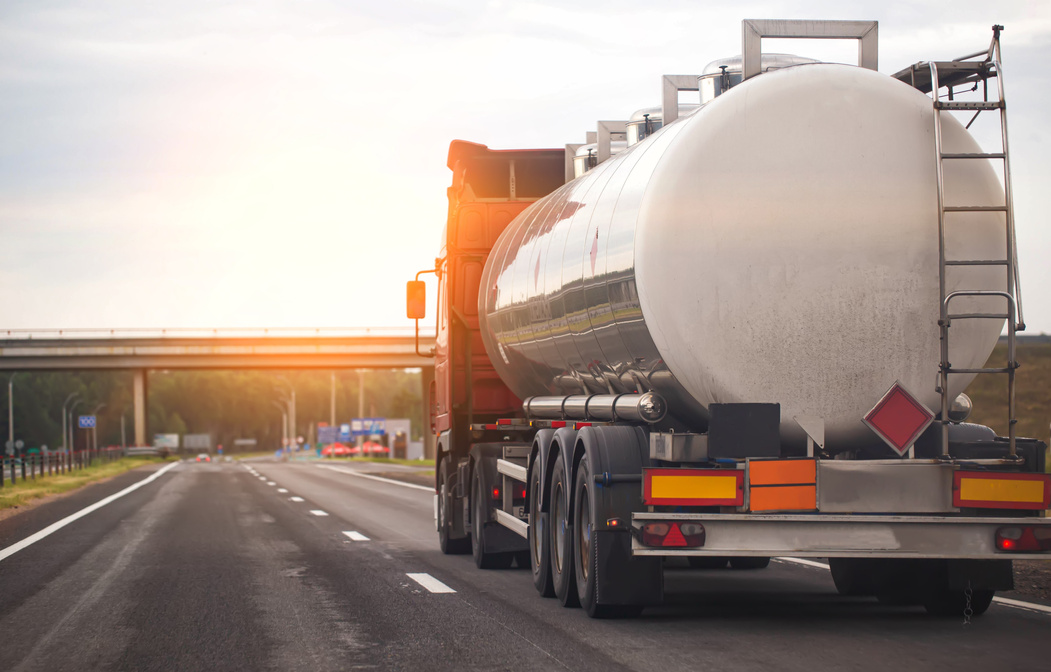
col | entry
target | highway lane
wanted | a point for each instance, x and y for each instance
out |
(212, 567)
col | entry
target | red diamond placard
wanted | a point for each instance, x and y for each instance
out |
(899, 418)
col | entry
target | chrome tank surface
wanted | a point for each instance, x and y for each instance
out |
(779, 245)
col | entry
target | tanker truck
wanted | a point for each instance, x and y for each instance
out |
(746, 334)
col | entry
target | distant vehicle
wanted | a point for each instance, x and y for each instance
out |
(204, 457)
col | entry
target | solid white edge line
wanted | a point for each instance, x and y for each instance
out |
(356, 536)
(802, 561)
(1018, 604)
(1005, 601)
(430, 583)
(377, 478)
(318, 512)
(54, 527)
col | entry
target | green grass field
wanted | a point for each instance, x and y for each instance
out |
(1032, 392)
(26, 491)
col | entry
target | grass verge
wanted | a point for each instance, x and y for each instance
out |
(1032, 394)
(23, 492)
(385, 460)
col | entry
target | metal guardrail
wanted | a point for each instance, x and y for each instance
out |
(36, 465)
(135, 451)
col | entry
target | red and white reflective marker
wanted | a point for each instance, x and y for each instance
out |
(899, 418)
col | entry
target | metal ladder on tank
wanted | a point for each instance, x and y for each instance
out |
(931, 77)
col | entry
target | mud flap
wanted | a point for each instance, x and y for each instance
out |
(499, 539)
(622, 578)
(980, 575)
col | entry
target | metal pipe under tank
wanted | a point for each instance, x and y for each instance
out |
(648, 407)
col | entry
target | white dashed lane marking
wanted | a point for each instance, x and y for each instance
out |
(430, 583)
(356, 536)
(271, 483)
(296, 499)
(282, 490)
(318, 512)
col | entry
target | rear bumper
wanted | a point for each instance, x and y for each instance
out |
(847, 536)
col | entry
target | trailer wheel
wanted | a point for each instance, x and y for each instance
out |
(483, 559)
(749, 563)
(560, 535)
(856, 576)
(707, 562)
(448, 544)
(944, 603)
(586, 519)
(539, 543)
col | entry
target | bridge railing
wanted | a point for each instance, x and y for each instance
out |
(191, 332)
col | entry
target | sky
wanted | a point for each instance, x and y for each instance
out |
(283, 164)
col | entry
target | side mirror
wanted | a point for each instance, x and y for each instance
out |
(416, 299)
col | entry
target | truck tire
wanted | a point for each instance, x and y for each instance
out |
(946, 603)
(479, 515)
(749, 563)
(448, 544)
(539, 543)
(856, 576)
(560, 535)
(586, 518)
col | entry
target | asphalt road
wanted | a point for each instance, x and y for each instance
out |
(212, 567)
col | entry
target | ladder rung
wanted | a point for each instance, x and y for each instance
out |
(979, 105)
(975, 208)
(978, 155)
(991, 316)
(976, 262)
(1004, 370)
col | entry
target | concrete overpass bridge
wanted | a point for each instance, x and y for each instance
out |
(139, 350)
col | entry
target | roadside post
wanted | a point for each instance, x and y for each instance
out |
(86, 422)
(9, 451)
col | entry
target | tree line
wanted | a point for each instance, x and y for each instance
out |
(228, 405)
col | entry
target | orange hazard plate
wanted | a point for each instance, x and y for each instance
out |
(1000, 490)
(783, 498)
(782, 472)
(693, 487)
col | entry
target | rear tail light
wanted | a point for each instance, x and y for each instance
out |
(496, 493)
(673, 534)
(1023, 539)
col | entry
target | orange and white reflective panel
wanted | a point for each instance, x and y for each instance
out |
(999, 490)
(693, 487)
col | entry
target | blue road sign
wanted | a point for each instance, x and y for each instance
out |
(368, 426)
(86, 421)
(326, 435)
(344, 432)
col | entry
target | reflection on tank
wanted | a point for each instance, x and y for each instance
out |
(648, 273)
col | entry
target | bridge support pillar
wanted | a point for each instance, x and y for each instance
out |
(426, 381)
(139, 396)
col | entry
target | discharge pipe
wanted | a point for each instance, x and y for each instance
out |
(647, 407)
